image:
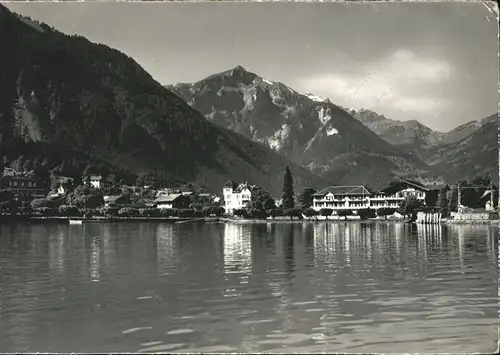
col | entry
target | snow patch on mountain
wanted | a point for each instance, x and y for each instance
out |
(315, 98)
(267, 81)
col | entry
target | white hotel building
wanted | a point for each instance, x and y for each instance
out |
(355, 198)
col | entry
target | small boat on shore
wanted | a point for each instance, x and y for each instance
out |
(75, 221)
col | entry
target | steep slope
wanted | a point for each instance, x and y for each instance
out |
(63, 94)
(476, 154)
(410, 136)
(462, 131)
(309, 130)
(464, 152)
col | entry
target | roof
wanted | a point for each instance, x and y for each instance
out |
(204, 195)
(95, 177)
(395, 186)
(343, 190)
(237, 188)
(167, 198)
(112, 198)
(19, 175)
(243, 186)
(436, 186)
(64, 179)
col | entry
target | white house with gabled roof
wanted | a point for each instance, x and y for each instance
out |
(236, 196)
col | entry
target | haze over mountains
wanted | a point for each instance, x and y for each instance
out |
(65, 99)
(330, 140)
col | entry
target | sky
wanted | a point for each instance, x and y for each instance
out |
(432, 62)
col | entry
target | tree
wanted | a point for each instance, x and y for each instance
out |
(326, 212)
(28, 165)
(19, 165)
(468, 195)
(344, 213)
(7, 201)
(43, 175)
(306, 198)
(89, 169)
(309, 212)
(288, 193)
(366, 213)
(261, 200)
(443, 201)
(385, 211)
(410, 205)
(6, 163)
(38, 203)
(453, 200)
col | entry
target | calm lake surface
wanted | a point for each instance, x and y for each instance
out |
(156, 287)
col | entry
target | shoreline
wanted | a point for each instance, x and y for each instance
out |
(66, 220)
(178, 220)
(368, 221)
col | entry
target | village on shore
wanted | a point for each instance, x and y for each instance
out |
(28, 193)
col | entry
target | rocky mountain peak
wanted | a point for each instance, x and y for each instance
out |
(308, 129)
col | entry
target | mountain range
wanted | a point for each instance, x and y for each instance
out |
(413, 136)
(465, 152)
(309, 130)
(65, 98)
(329, 139)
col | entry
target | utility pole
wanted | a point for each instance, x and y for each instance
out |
(459, 197)
(491, 192)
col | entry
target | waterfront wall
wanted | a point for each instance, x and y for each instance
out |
(476, 217)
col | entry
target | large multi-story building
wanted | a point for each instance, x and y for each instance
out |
(359, 197)
(236, 196)
(24, 185)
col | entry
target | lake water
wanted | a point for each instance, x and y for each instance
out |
(156, 287)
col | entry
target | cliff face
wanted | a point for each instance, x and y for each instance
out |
(90, 100)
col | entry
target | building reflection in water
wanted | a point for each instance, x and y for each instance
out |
(108, 251)
(310, 243)
(289, 247)
(238, 251)
(460, 233)
(399, 230)
(422, 236)
(56, 250)
(324, 239)
(492, 235)
(95, 259)
(165, 248)
(370, 245)
(347, 246)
